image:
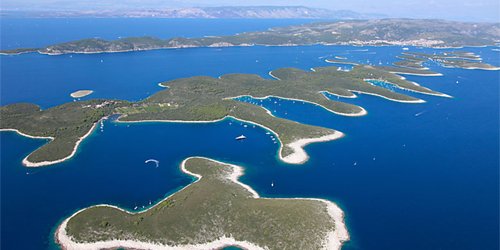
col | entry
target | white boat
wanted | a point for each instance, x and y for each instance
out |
(241, 137)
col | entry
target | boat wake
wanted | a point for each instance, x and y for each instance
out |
(153, 160)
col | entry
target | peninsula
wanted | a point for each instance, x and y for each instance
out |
(403, 32)
(208, 99)
(215, 211)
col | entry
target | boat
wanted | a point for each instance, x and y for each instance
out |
(272, 184)
(241, 137)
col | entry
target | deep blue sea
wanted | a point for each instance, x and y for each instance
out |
(408, 176)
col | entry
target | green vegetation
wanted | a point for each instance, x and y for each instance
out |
(65, 123)
(18, 51)
(213, 207)
(414, 32)
(454, 59)
(208, 99)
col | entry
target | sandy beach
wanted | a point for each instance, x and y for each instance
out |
(299, 155)
(333, 241)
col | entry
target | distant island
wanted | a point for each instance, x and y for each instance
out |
(207, 99)
(213, 212)
(402, 32)
(226, 12)
(454, 59)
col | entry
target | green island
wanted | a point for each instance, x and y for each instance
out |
(401, 32)
(208, 99)
(453, 59)
(216, 210)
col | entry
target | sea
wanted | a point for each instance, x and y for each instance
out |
(407, 176)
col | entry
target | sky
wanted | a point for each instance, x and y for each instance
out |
(469, 10)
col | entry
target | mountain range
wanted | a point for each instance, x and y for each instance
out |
(254, 12)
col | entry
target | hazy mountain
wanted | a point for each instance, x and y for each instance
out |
(269, 12)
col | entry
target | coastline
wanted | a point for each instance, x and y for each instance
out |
(275, 77)
(28, 163)
(341, 62)
(411, 90)
(26, 135)
(343, 96)
(299, 155)
(387, 98)
(471, 68)
(334, 239)
(415, 74)
(362, 112)
(228, 45)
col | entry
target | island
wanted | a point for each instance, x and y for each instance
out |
(449, 59)
(81, 93)
(411, 63)
(215, 211)
(377, 32)
(208, 99)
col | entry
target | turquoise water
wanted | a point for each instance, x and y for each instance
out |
(408, 176)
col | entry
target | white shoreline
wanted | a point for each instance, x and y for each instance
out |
(28, 163)
(415, 74)
(352, 96)
(334, 239)
(299, 155)
(388, 98)
(341, 62)
(360, 113)
(411, 90)
(275, 77)
(26, 135)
